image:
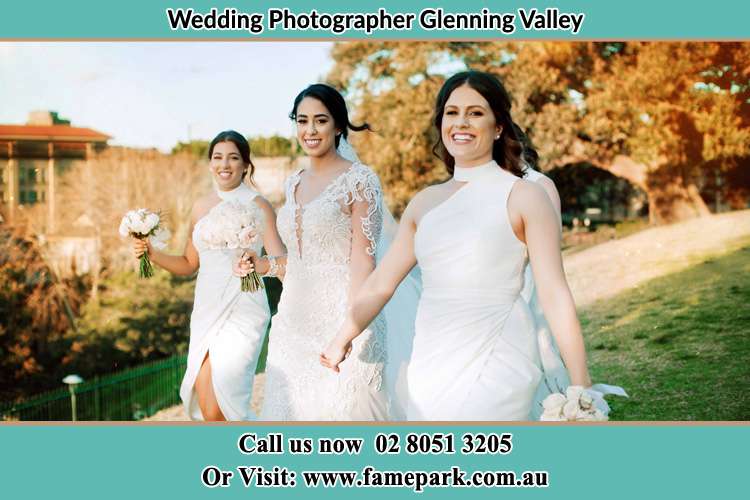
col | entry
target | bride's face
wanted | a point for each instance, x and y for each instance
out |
(316, 130)
(226, 165)
(469, 128)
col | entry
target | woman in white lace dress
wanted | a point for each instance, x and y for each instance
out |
(330, 223)
(227, 326)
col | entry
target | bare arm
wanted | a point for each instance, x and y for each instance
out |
(376, 290)
(551, 190)
(271, 242)
(541, 231)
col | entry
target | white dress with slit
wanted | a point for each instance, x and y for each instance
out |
(226, 323)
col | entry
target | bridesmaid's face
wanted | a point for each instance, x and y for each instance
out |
(226, 165)
(316, 130)
(469, 127)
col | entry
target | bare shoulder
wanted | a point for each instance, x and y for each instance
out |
(527, 192)
(263, 204)
(547, 184)
(203, 204)
(428, 198)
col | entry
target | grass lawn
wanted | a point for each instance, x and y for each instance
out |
(679, 344)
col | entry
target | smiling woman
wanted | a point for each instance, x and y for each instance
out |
(227, 325)
(475, 353)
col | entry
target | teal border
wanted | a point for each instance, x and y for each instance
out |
(165, 461)
(146, 19)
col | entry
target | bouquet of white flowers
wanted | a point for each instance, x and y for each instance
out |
(576, 405)
(142, 224)
(234, 225)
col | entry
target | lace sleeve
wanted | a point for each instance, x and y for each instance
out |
(365, 187)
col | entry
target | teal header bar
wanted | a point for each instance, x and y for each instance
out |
(385, 19)
(174, 461)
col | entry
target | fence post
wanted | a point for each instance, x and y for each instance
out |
(97, 399)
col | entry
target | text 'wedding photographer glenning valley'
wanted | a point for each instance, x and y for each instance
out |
(430, 19)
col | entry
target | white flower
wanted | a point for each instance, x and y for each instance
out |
(554, 401)
(551, 416)
(248, 237)
(124, 229)
(574, 392)
(570, 409)
(586, 401)
(160, 238)
(151, 220)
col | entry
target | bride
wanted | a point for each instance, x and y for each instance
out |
(475, 353)
(227, 326)
(330, 223)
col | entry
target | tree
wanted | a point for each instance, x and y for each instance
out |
(665, 116)
(96, 194)
(37, 308)
(272, 146)
(198, 149)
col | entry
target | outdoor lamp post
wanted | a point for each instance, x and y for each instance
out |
(72, 381)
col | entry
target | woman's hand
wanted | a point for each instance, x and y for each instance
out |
(141, 246)
(245, 264)
(334, 354)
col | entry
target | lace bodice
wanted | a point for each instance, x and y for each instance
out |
(318, 237)
(320, 232)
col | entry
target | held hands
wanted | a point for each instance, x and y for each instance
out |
(334, 354)
(245, 264)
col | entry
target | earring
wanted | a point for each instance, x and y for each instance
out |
(497, 136)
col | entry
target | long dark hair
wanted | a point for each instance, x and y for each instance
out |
(508, 150)
(334, 102)
(242, 145)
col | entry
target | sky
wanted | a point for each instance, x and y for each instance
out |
(149, 94)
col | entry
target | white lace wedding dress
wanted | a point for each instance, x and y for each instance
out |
(475, 354)
(318, 238)
(227, 323)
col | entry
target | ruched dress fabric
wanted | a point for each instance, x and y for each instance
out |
(475, 354)
(227, 323)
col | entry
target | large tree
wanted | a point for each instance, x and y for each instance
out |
(665, 116)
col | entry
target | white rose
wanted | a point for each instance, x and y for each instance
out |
(124, 230)
(570, 409)
(586, 401)
(551, 416)
(247, 237)
(554, 401)
(233, 241)
(152, 220)
(574, 392)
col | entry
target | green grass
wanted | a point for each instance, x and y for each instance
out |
(679, 345)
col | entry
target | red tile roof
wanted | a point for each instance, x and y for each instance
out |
(50, 133)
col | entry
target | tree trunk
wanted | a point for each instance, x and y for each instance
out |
(672, 193)
(674, 200)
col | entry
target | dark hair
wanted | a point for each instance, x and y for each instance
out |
(334, 102)
(242, 145)
(530, 155)
(508, 150)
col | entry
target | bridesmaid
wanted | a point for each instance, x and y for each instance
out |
(227, 326)
(475, 354)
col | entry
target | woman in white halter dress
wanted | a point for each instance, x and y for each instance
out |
(227, 326)
(475, 354)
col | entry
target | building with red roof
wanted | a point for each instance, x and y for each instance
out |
(32, 156)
